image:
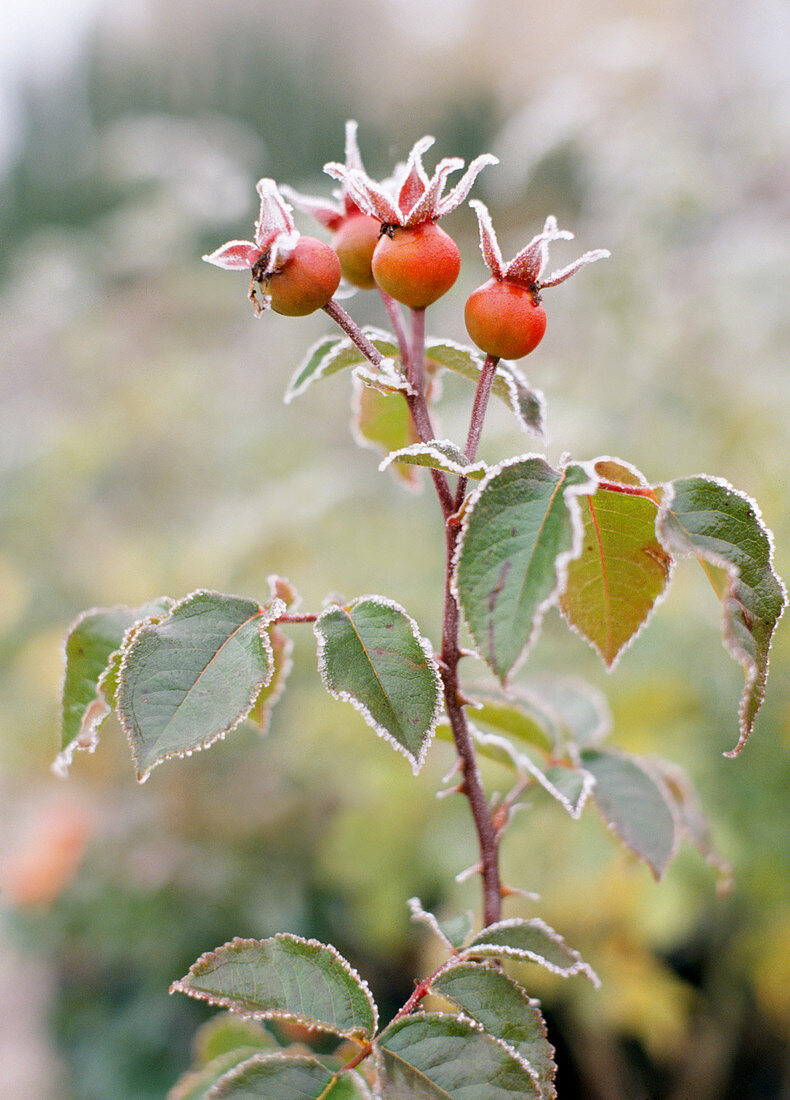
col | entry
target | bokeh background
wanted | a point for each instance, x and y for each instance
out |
(145, 449)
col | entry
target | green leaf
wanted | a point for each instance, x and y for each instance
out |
(633, 803)
(532, 941)
(191, 678)
(509, 385)
(286, 1077)
(516, 539)
(332, 354)
(92, 642)
(691, 819)
(613, 585)
(506, 1012)
(260, 714)
(722, 527)
(579, 713)
(372, 655)
(453, 931)
(569, 785)
(197, 1084)
(382, 422)
(432, 1056)
(225, 1032)
(284, 977)
(438, 454)
(515, 715)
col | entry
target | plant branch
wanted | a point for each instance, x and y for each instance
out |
(352, 330)
(396, 320)
(472, 783)
(482, 394)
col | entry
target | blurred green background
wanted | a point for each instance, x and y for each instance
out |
(145, 449)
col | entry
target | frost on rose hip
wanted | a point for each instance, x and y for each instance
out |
(415, 261)
(355, 234)
(292, 274)
(504, 316)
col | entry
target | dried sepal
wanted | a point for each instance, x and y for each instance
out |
(527, 266)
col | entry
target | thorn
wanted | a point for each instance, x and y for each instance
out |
(475, 869)
(506, 891)
(460, 788)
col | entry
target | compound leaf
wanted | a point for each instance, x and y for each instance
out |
(372, 655)
(284, 977)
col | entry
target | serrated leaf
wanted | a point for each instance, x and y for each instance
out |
(510, 385)
(633, 803)
(505, 1011)
(284, 1076)
(433, 1056)
(579, 712)
(381, 422)
(226, 1031)
(516, 716)
(284, 977)
(437, 454)
(516, 540)
(691, 819)
(531, 940)
(188, 680)
(260, 714)
(92, 642)
(613, 585)
(570, 786)
(706, 517)
(453, 931)
(197, 1084)
(332, 354)
(372, 655)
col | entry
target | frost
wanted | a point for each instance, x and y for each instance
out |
(347, 696)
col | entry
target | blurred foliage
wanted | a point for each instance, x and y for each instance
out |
(145, 450)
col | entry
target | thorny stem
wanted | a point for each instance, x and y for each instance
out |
(472, 784)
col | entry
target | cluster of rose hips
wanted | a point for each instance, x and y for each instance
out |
(386, 235)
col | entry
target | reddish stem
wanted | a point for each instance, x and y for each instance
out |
(352, 330)
(396, 320)
(482, 394)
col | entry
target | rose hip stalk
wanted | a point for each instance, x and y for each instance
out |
(415, 261)
(295, 275)
(504, 316)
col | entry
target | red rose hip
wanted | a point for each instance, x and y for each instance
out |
(355, 242)
(416, 265)
(306, 281)
(504, 320)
